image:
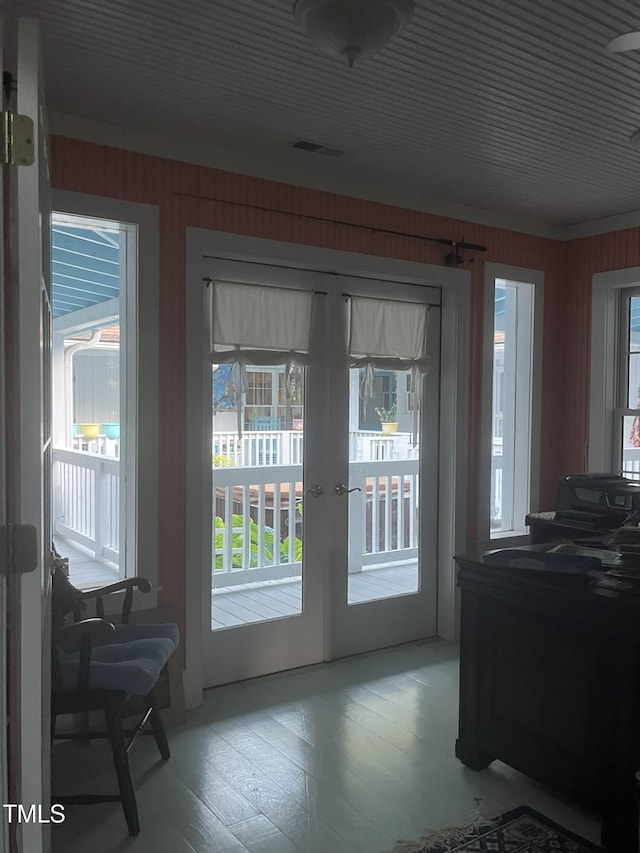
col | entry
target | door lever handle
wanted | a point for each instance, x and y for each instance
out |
(342, 489)
(315, 491)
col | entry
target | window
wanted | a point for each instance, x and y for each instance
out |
(627, 411)
(271, 396)
(409, 396)
(94, 376)
(513, 314)
(258, 396)
(105, 421)
(384, 395)
(291, 397)
(614, 425)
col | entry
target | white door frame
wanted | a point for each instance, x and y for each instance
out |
(29, 447)
(454, 360)
(4, 557)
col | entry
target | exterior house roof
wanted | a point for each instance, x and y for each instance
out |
(85, 266)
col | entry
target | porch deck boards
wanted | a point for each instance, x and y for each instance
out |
(274, 599)
(241, 605)
(84, 570)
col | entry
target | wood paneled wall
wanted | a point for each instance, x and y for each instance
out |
(194, 196)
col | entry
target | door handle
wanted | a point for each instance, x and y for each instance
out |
(343, 489)
(315, 491)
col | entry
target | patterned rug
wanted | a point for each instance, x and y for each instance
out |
(520, 830)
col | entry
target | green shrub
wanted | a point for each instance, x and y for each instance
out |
(237, 542)
(222, 461)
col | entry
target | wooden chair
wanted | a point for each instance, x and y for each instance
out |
(99, 666)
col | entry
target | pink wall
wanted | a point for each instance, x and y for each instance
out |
(185, 196)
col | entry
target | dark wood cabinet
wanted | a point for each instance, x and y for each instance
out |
(550, 684)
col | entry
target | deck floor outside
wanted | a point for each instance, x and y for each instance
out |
(241, 605)
(275, 599)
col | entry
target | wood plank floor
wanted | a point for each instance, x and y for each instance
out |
(343, 757)
(274, 599)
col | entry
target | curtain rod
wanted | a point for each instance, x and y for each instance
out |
(208, 280)
(429, 305)
(460, 244)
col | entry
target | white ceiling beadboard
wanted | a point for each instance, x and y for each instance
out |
(506, 105)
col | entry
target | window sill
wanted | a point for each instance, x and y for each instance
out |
(504, 539)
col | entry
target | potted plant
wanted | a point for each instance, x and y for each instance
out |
(388, 418)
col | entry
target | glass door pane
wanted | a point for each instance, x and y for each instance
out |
(257, 495)
(383, 508)
(264, 480)
(384, 488)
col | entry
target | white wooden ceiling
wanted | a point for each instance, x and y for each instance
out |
(509, 105)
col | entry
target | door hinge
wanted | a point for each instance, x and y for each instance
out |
(18, 147)
(18, 549)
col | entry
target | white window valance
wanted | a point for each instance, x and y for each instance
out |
(256, 324)
(259, 324)
(384, 329)
(386, 334)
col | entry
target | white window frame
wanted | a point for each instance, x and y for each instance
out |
(141, 492)
(528, 412)
(603, 441)
(624, 408)
(123, 310)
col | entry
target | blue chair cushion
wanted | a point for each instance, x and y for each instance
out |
(140, 631)
(131, 662)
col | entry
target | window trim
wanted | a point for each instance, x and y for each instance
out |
(606, 288)
(146, 408)
(493, 271)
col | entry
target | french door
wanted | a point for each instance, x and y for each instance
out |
(25, 451)
(320, 513)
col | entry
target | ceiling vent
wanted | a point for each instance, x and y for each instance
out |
(315, 148)
(304, 145)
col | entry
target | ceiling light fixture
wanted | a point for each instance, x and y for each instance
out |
(353, 29)
(623, 43)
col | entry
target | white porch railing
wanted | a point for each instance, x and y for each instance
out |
(285, 447)
(375, 447)
(87, 501)
(383, 515)
(496, 492)
(631, 463)
(261, 507)
(259, 501)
